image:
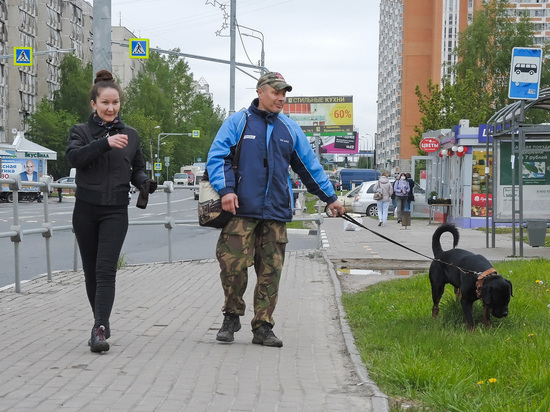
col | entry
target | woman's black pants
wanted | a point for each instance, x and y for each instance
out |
(100, 233)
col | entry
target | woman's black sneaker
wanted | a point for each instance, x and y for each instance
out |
(97, 342)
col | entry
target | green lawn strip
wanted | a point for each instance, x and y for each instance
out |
(440, 366)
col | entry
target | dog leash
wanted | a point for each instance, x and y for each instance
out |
(348, 218)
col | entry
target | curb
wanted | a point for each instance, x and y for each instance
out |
(379, 399)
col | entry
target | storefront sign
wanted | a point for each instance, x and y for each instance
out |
(429, 144)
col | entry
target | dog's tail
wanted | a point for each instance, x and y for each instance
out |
(436, 243)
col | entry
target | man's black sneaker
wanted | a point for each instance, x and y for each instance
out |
(231, 324)
(97, 342)
(265, 336)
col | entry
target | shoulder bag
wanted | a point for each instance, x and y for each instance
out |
(209, 207)
(378, 195)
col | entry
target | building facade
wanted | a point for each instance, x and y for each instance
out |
(538, 12)
(416, 43)
(51, 28)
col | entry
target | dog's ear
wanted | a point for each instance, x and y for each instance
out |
(486, 294)
(510, 283)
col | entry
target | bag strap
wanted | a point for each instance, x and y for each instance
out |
(235, 162)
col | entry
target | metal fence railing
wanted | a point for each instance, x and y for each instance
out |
(17, 234)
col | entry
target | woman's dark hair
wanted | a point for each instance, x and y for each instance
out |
(103, 79)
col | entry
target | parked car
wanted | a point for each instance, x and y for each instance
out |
(67, 179)
(336, 184)
(366, 205)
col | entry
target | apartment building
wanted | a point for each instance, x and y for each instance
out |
(416, 41)
(50, 27)
(538, 12)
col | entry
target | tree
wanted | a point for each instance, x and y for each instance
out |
(50, 128)
(50, 124)
(76, 80)
(485, 49)
(163, 94)
(481, 76)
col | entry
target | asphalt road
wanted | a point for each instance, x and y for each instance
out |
(144, 244)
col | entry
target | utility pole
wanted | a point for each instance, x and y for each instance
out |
(101, 27)
(233, 39)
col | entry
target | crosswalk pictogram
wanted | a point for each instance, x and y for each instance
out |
(22, 56)
(139, 48)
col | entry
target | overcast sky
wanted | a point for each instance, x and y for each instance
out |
(321, 47)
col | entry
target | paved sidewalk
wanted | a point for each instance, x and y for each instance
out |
(164, 356)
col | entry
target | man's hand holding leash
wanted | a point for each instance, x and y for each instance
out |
(337, 208)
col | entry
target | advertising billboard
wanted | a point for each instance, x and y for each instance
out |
(534, 171)
(329, 117)
(30, 170)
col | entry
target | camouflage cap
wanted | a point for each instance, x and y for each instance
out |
(275, 80)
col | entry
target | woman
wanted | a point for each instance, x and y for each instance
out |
(410, 197)
(402, 190)
(386, 188)
(107, 156)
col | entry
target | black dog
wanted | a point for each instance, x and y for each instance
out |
(472, 276)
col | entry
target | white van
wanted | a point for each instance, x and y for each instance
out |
(181, 179)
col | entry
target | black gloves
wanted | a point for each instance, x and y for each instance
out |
(148, 187)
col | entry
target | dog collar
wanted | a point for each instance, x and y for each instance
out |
(481, 278)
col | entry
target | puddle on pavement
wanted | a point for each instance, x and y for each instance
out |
(399, 272)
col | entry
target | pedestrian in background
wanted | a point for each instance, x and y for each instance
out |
(107, 156)
(401, 188)
(386, 189)
(260, 199)
(393, 199)
(410, 198)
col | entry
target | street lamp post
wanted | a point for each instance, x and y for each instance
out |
(151, 147)
(262, 55)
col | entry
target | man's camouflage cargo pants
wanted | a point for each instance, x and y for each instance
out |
(244, 242)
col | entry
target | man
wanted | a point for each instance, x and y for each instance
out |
(29, 174)
(259, 195)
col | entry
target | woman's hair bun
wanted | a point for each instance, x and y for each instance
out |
(103, 76)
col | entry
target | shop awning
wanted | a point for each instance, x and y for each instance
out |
(25, 149)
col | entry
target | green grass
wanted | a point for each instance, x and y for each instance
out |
(437, 365)
(508, 230)
(311, 201)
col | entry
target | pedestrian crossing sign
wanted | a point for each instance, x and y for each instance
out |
(196, 133)
(139, 48)
(22, 56)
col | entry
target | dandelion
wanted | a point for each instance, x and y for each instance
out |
(538, 281)
(481, 382)
(530, 335)
(492, 380)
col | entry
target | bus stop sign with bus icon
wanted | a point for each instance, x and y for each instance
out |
(525, 73)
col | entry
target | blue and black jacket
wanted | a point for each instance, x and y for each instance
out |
(271, 143)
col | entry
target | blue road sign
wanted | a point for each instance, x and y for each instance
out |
(22, 56)
(139, 48)
(525, 73)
